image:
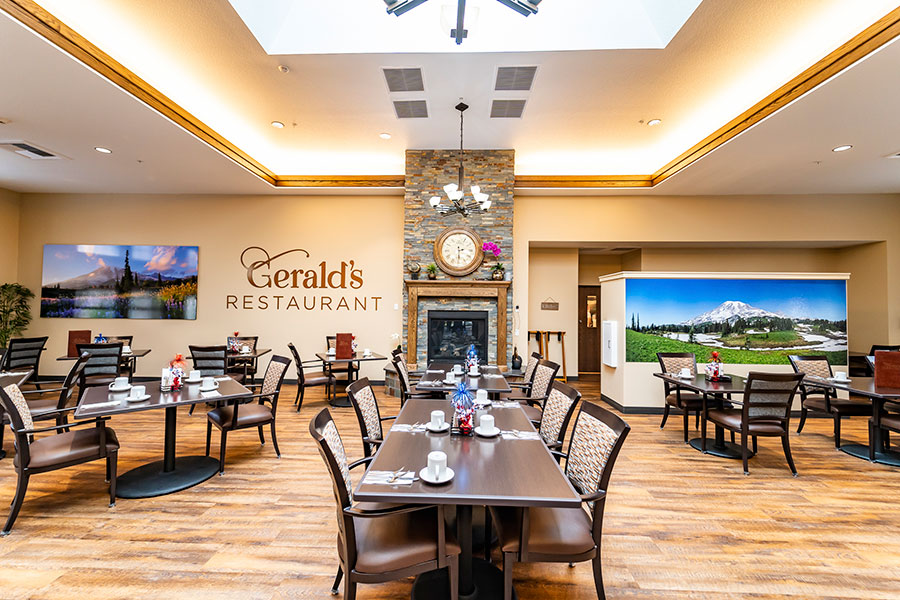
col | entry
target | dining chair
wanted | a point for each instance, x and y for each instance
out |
(102, 367)
(765, 412)
(240, 365)
(50, 453)
(305, 380)
(362, 397)
(49, 403)
(126, 367)
(381, 542)
(675, 395)
(567, 535)
(823, 399)
(346, 369)
(528, 373)
(24, 354)
(558, 410)
(533, 400)
(870, 362)
(243, 413)
(406, 381)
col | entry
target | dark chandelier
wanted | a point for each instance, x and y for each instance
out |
(459, 33)
(479, 202)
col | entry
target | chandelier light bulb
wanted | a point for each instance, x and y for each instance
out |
(475, 190)
(435, 201)
(455, 196)
(485, 205)
(450, 188)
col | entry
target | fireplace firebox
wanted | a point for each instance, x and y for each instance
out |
(451, 332)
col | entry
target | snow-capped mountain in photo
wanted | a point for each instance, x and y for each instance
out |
(730, 311)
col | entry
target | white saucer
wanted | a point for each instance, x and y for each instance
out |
(442, 429)
(448, 475)
(138, 399)
(198, 380)
(116, 390)
(485, 404)
(688, 377)
(836, 380)
(482, 433)
(447, 382)
(212, 389)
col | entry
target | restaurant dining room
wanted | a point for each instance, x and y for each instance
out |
(449, 299)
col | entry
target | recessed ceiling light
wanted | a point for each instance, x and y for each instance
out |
(277, 124)
(654, 122)
(841, 148)
(284, 68)
(384, 136)
(102, 150)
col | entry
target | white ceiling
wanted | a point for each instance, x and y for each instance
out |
(580, 118)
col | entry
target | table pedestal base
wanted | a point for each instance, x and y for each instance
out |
(151, 480)
(891, 457)
(435, 585)
(725, 450)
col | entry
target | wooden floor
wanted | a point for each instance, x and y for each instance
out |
(678, 524)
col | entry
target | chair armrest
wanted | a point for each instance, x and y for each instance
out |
(44, 391)
(57, 411)
(559, 453)
(393, 510)
(368, 440)
(361, 461)
(58, 427)
(592, 497)
(535, 401)
(520, 385)
(388, 418)
(554, 445)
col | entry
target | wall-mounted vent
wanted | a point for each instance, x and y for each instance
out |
(411, 109)
(29, 150)
(404, 80)
(507, 109)
(517, 79)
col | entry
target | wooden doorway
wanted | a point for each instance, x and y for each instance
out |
(589, 329)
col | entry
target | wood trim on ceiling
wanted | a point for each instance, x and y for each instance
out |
(33, 16)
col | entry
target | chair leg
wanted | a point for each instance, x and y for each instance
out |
(785, 442)
(275, 440)
(598, 576)
(21, 486)
(208, 435)
(802, 422)
(508, 560)
(262, 440)
(297, 399)
(837, 430)
(488, 533)
(337, 581)
(453, 567)
(349, 589)
(112, 460)
(732, 437)
(666, 409)
(755, 445)
(222, 452)
(697, 420)
(744, 451)
(686, 419)
(191, 409)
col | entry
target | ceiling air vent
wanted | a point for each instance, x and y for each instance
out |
(411, 109)
(404, 80)
(507, 109)
(518, 79)
(29, 150)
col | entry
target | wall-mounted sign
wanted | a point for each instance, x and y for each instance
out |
(549, 304)
(293, 280)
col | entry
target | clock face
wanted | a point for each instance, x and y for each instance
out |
(457, 251)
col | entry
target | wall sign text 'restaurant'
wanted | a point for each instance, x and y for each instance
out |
(263, 274)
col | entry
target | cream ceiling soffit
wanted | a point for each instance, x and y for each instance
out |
(52, 29)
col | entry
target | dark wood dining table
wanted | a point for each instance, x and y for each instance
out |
(234, 358)
(720, 392)
(880, 396)
(171, 474)
(10, 378)
(490, 379)
(488, 472)
(357, 357)
(134, 354)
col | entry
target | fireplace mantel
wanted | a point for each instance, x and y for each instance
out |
(456, 288)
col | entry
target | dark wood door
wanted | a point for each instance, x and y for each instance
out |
(589, 329)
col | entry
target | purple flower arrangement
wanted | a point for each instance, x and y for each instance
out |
(492, 248)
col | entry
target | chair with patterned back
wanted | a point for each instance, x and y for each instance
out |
(77, 444)
(362, 397)
(824, 399)
(528, 373)
(346, 369)
(243, 413)
(558, 410)
(533, 400)
(675, 395)
(49, 403)
(102, 366)
(765, 412)
(543, 534)
(24, 354)
(378, 542)
(126, 367)
(313, 379)
(407, 384)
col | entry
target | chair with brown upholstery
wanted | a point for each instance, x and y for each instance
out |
(102, 367)
(567, 535)
(54, 452)
(336, 369)
(406, 381)
(243, 413)
(49, 403)
(126, 367)
(306, 380)
(558, 411)
(241, 365)
(533, 400)
(824, 399)
(676, 397)
(24, 354)
(362, 397)
(381, 542)
(765, 412)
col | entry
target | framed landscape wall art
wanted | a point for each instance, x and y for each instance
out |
(119, 282)
(748, 321)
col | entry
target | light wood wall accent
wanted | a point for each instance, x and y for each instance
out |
(583, 181)
(348, 181)
(455, 289)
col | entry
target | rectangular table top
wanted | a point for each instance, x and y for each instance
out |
(701, 385)
(99, 401)
(863, 386)
(252, 354)
(491, 379)
(357, 357)
(137, 353)
(488, 471)
(14, 377)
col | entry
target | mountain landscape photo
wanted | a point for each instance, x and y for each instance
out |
(746, 321)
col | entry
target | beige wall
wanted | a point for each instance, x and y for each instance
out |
(367, 230)
(867, 294)
(10, 203)
(808, 260)
(554, 273)
(592, 266)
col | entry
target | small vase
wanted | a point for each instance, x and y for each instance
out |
(432, 275)
(497, 275)
(516, 359)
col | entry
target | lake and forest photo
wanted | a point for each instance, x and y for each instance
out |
(747, 321)
(119, 282)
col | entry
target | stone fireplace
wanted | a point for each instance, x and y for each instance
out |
(451, 332)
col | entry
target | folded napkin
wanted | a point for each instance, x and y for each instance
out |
(491, 375)
(414, 428)
(435, 371)
(514, 434)
(212, 394)
(431, 383)
(505, 404)
(226, 378)
(13, 373)
(390, 477)
(102, 404)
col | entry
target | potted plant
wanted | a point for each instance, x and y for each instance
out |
(498, 270)
(432, 271)
(15, 310)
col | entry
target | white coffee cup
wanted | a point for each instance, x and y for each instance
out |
(437, 464)
(209, 382)
(367, 351)
(126, 349)
(481, 396)
(486, 422)
(449, 378)
(137, 391)
(437, 419)
(194, 375)
(120, 382)
(457, 368)
(840, 375)
(473, 371)
(245, 349)
(685, 372)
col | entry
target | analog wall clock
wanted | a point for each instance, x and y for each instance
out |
(457, 251)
